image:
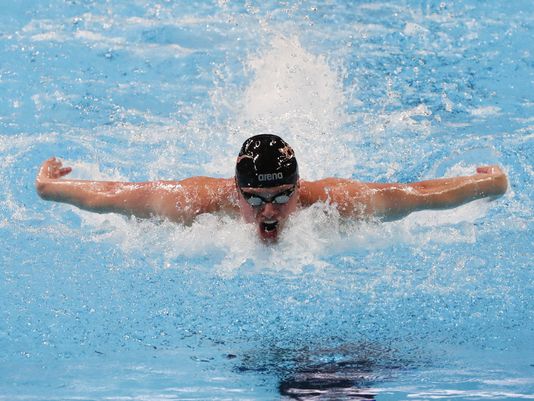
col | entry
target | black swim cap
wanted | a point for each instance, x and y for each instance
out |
(266, 161)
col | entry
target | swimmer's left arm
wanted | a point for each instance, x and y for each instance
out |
(394, 201)
(359, 200)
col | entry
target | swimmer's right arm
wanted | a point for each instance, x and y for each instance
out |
(178, 201)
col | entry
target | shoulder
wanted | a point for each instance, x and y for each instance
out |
(201, 194)
(197, 184)
(219, 194)
(215, 192)
(202, 181)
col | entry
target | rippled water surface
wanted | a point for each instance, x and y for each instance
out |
(438, 305)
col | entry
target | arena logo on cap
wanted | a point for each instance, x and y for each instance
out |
(270, 177)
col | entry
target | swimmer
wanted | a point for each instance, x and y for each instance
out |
(265, 191)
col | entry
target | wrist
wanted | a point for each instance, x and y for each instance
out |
(43, 188)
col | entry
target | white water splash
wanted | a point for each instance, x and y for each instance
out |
(297, 95)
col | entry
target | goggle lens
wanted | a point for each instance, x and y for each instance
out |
(256, 200)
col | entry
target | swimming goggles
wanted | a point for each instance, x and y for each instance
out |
(280, 198)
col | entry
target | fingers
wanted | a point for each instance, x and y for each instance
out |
(54, 163)
(64, 171)
(53, 168)
(489, 170)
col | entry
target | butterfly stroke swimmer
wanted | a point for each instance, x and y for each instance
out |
(265, 190)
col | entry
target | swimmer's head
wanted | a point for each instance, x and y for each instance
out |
(266, 177)
(266, 161)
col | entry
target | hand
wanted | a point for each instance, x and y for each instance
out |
(51, 170)
(499, 179)
(496, 170)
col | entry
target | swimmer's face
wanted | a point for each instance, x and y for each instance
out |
(269, 217)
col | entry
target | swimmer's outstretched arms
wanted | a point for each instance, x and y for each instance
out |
(266, 189)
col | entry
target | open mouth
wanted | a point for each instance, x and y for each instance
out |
(269, 225)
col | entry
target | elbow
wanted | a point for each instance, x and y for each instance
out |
(42, 189)
(400, 202)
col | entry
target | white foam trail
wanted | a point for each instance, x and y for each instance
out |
(311, 237)
(290, 86)
(297, 95)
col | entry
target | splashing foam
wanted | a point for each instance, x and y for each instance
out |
(296, 95)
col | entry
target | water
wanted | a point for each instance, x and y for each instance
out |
(438, 305)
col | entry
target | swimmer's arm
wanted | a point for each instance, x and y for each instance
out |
(394, 201)
(179, 201)
(359, 200)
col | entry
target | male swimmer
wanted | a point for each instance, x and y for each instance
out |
(266, 189)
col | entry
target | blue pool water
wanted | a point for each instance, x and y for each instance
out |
(438, 305)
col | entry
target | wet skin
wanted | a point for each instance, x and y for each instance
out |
(181, 201)
(269, 218)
